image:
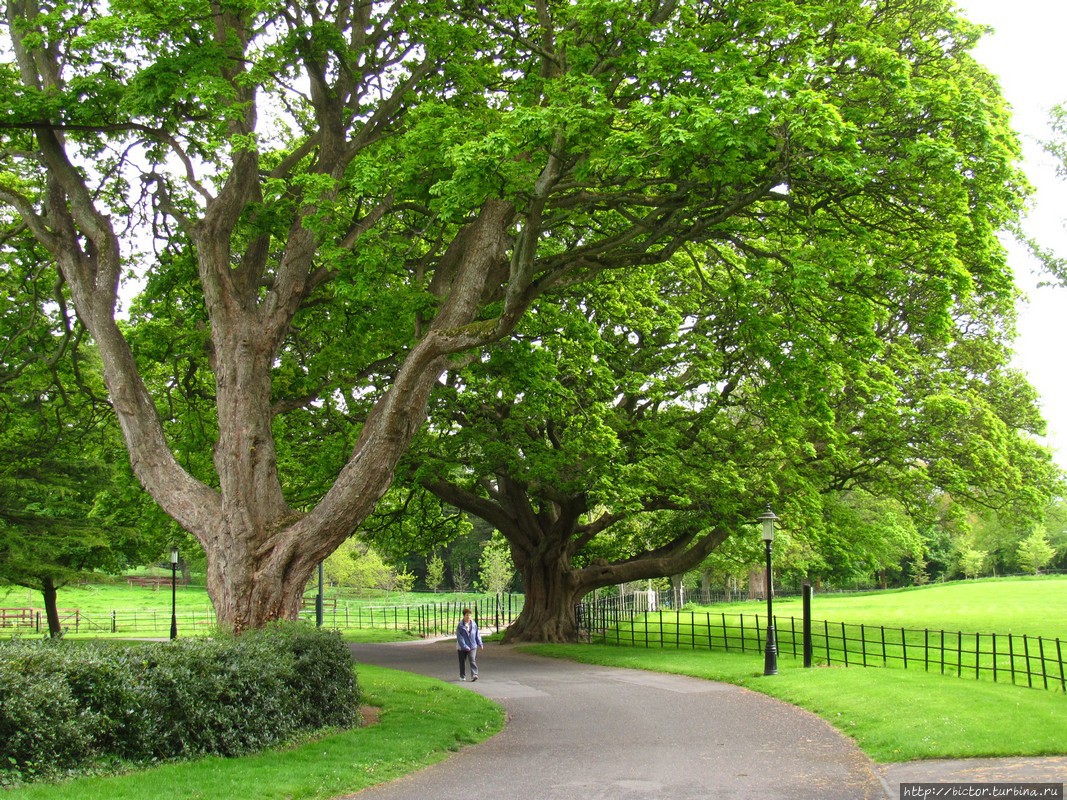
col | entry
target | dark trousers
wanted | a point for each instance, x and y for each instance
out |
(463, 656)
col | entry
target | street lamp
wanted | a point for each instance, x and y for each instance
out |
(318, 599)
(770, 659)
(174, 592)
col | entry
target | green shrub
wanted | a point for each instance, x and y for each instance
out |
(103, 681)
(42, 726)
(64, 706)
(322, 685)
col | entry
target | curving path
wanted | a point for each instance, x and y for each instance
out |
(581, 732)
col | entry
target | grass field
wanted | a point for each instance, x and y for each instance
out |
(117, 609)
(1005, 631)
(1033, 606)
(103, 598)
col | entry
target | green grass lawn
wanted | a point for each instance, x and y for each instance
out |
(1033, 606)
(421, 722)
(1006, 630)
(117, 609)
(103, 598)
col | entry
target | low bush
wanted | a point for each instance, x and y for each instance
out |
(66, 707)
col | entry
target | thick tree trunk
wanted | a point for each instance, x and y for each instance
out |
(248, 592)
(544, 540)
(548, 613)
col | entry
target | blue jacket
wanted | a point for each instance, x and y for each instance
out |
(468, 639)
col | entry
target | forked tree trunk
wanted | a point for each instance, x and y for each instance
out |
(247, 591)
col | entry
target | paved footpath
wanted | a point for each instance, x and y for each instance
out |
(582, 732)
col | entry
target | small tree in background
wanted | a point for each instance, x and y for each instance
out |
(496, 567)
(972, 561)
(1034, 552)
(435, 572)
(460, 579)
(918, 570)
(359, 566)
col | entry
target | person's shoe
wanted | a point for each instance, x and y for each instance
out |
(474, 678)
(462, 678)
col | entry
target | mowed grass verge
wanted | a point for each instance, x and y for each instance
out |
(421, 721)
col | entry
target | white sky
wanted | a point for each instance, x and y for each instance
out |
(1027, 52)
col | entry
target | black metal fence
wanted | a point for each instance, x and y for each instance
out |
(1033, 661)
(141, 622)
(423, 620)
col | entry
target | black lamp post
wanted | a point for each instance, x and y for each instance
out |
(174, 593)
(318, 599)
(770, 659)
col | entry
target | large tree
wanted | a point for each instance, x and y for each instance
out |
(367, 190)
(628, 430)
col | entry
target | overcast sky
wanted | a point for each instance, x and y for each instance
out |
(1027, 52)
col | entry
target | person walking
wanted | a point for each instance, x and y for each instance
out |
(468, 640)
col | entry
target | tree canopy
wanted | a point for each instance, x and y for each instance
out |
(629, 428)
(368, 191)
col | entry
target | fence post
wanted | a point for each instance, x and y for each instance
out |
(994, 642)
(807, 624)
(1011, 656)
(1059, 657)
(1026, 655)
(1041, 650)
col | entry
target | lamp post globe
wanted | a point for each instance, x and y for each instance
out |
(770, 656)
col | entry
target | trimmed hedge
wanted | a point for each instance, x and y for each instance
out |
(67, 707)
